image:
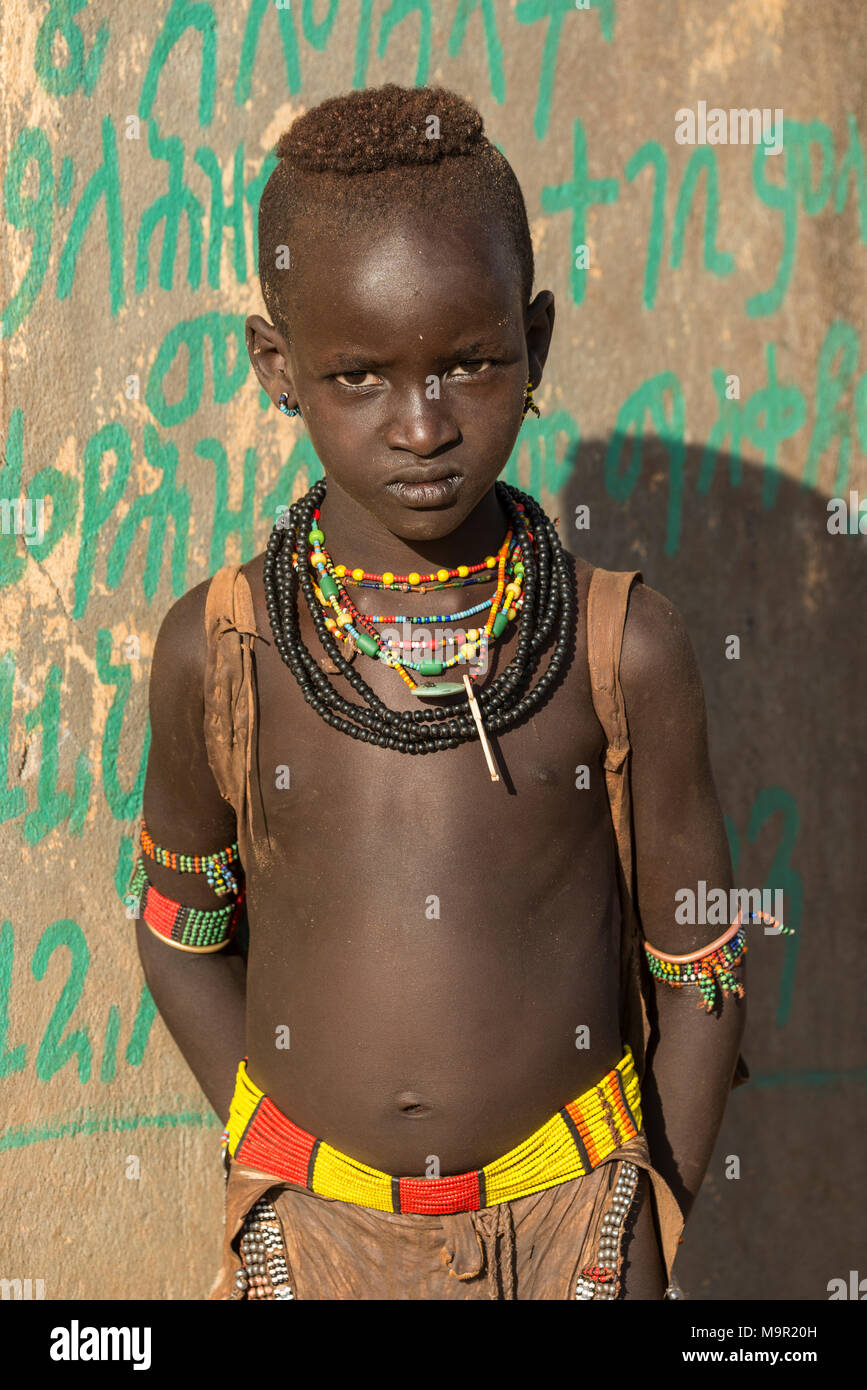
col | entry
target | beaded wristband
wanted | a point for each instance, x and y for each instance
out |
(712, 967)
(186, 928)
(214, 866)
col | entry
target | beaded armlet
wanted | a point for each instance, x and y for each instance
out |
(711, 967)
(187, 928)
(214, 866)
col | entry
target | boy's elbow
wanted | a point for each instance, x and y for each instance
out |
(150, 954)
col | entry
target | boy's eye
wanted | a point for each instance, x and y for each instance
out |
(471, 368)
(357, 378)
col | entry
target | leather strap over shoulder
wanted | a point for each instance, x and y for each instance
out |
(607, 603)
(230, 694)
(229, 604)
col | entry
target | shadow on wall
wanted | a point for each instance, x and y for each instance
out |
(755, 561)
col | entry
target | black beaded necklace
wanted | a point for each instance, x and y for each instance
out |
(548, 596)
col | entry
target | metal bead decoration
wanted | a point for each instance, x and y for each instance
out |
(265, 1272)
(507, 701)
(601, 1280)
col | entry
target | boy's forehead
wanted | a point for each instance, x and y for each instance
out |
(410, 276)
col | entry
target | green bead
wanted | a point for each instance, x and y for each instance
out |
(499, 623)
(430, 668)
(433, 692)
(327, 586)
(366, 644)
(316, 536)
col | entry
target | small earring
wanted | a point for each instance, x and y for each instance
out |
(281, 405)
(529, 403)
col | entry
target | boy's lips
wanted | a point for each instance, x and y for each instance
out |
(414, 489)
(424, 475)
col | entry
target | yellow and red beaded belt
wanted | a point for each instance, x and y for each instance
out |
(567, 1146)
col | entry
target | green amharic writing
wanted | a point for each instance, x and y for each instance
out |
(59, 1047)
(180, 206)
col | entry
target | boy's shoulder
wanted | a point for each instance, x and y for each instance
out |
(656, 649)
(181, 635)
(656, 646)
(184, 622)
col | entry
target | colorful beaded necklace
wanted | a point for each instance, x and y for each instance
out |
(359, 630)
(549, 600)
(420, 582)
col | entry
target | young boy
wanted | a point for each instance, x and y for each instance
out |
(464, 1074)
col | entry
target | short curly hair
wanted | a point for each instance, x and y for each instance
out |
(375, 151)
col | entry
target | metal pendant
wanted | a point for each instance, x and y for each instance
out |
(350, 652)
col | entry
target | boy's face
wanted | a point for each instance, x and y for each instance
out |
(410, 353)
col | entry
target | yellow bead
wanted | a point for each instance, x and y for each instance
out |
(490, 561)
(340, 569)
(463, 571)
(330, 624)
(388, 577)
(343, 618)
(472, 634)
(513, 613)
(468, 651)
(358, 574)
(318, 592)
(414, 578)
(442, 575)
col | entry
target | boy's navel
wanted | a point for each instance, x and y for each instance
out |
(412, 1104)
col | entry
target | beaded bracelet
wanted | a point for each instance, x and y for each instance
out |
(187, 928)
(214, 866)
(712, 967)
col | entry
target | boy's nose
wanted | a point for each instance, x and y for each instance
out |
(419, 425)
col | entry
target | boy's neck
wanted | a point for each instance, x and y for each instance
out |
(354, 537)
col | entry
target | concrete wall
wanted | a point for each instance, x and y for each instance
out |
(129, 406)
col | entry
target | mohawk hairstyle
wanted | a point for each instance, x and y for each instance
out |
(373, 153)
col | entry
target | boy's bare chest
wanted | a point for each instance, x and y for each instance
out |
(318, 782)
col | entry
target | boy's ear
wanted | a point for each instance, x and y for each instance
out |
(268, 355)
(539, 326)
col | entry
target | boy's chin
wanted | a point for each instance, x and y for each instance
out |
(414, 525)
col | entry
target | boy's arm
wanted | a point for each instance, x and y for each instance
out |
(200, 997)
(680, 839)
